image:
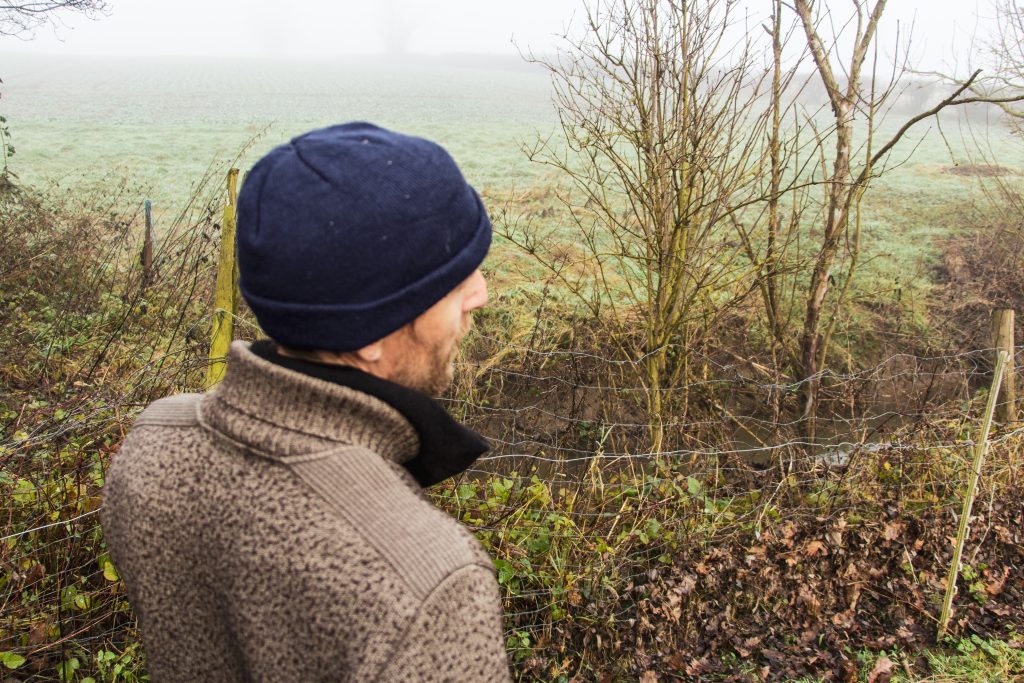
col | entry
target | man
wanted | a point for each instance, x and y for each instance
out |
(274, 529)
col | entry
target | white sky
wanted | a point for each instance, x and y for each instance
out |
(323, 28)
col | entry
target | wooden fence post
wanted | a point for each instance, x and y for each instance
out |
(225, 305)
(1002, 340)
(147, 247)
(980, 449)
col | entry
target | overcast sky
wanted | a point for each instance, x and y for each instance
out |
(323, 28)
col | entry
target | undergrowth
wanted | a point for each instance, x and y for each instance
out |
(698, 564)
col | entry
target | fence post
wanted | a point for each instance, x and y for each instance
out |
(225, 305)
(980, 449)
(1002, 340)
(147, 247)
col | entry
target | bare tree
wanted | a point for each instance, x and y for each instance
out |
(1003, 55)
(22, 18)
(853, 93)
(663, 134)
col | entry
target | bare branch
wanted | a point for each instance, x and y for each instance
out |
(24, 18)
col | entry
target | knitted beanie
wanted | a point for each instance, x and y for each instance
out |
(347, 233)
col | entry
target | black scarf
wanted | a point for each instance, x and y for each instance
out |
(447, 448)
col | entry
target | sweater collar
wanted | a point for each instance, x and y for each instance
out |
(310, 402)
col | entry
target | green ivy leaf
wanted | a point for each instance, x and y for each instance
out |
(110, 572)
(505, 571)
(68, 668)
(12, 660)
(693, 487)
(24, 492)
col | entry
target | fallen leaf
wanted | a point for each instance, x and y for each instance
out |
(843, 619)
(38, 633)
(995, 584)
(815, 547)
(809, 599)
(752, 642)
(882, 671)
(893, 530)
(648, 677)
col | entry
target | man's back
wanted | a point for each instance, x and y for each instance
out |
(267, 531)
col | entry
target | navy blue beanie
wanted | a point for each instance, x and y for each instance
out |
(347, 233)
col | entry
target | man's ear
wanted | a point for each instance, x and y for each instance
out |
(371, 353)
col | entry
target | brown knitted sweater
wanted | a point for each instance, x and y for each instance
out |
(267, 531)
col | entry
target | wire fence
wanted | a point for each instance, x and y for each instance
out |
(576, 510)
(901, 432)
(600, 542)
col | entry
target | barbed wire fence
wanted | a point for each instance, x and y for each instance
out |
(906, 437)
(568, 500)
(596, 539)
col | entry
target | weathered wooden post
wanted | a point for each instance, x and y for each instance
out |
(147, 247)
(980, 450)
(1002, 340)
(225, 305)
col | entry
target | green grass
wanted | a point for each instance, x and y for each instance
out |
(968, 660)
(162, 122)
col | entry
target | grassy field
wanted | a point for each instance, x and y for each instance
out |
(617, 572)
(161, 123)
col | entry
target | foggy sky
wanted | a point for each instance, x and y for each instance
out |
(324, 28)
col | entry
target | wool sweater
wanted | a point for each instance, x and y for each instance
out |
(268, 531)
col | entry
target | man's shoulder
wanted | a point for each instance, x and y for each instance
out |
(179, 410)
(423, 544)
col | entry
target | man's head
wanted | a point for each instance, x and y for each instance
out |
(362, 246)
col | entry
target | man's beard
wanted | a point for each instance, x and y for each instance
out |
(428, 367)
(430, 372)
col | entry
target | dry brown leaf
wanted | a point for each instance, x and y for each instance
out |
(38, 633)
(809, 599)
(843, 619)
(882, 671)
(815, 547)
(648, 677)
(995, 583)
(893, 530)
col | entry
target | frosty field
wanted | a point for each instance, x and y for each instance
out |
(160, 123)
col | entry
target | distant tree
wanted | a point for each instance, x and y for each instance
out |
(22, 17)
(1005, 54)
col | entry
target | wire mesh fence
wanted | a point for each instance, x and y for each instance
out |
(595, 537)
(755, 527)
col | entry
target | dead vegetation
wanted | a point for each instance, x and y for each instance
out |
(979, 170)
(981, 269)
